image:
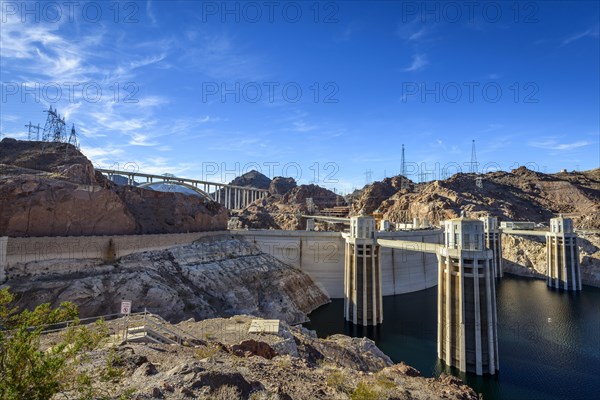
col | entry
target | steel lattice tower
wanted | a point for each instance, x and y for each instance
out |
(473, 166)
(73, 137)
(30, 133)
(55, 127)
(402, 164)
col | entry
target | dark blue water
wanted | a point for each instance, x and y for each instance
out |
(548, 340)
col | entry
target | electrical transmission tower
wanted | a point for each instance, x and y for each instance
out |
(368, 174)
(73, 137)
(473, 165)
(30, 133)
(55, 127)
(403, 164)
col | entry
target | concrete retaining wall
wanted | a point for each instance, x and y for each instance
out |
(45, 255)
(319, 254)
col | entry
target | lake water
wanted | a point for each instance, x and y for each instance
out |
(548, 340)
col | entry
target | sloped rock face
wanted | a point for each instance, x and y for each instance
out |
(280, 185)
(519, 195)
(61, 159)
(37, 206)
(162, 212)
(283, 212)
(252, 179)
(322, 198)
(526, 256)
(370, 198)
(51, 189)
(215, 276)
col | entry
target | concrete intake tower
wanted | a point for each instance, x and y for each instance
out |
(467, 321)
(562, 255)
(362, 274)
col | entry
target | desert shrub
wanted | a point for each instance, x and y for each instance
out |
(364, 392)
(27, 372)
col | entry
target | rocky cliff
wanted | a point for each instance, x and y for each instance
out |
(526, 256)
(518, 195)
(51, 189)
(228, 363)
(282, 211)
(215, 276)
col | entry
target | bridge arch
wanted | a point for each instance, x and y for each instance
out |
(201, 192)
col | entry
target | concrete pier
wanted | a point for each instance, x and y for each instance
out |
(362, 274)
(467, 320)
(493, 241)
(562, 255)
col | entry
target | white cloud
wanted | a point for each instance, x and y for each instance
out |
(591, 32)
(419, 61)
(552, 144)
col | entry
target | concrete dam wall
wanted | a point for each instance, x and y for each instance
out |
(319, 254)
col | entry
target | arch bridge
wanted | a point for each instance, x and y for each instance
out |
(231, 196)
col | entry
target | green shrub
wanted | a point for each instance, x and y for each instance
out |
(364, 392)
(26, 372)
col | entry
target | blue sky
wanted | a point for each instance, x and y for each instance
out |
(321, 91)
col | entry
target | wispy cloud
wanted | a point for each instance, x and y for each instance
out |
(552, 144)
(150, 12)
(419, 61)
(414, 31)
(591, 32)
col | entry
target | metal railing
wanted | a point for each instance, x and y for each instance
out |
(162, 327)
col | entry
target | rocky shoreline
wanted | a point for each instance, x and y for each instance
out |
(229, 363)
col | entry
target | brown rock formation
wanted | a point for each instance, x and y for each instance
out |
(280, 185)
(518, 195)
(283, 212)
(51, 189)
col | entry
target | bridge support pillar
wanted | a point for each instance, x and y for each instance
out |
(493, 241)
(467, 319)
(562, 255)
(362, 274)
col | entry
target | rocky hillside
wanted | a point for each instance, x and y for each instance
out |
(283, 210)
(518, 195)
(51, 189)
(228, 363)
(215, 276)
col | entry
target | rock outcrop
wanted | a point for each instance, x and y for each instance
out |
(51, 189)
(214, 276)
(370, 198)
(230, 363)
(284, 211)
(280, 185)
(518, 195)
(252, 179)
(526, 256)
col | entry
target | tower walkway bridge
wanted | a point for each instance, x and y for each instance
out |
(231, 196)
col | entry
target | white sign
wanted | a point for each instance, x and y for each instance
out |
(126, 307)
